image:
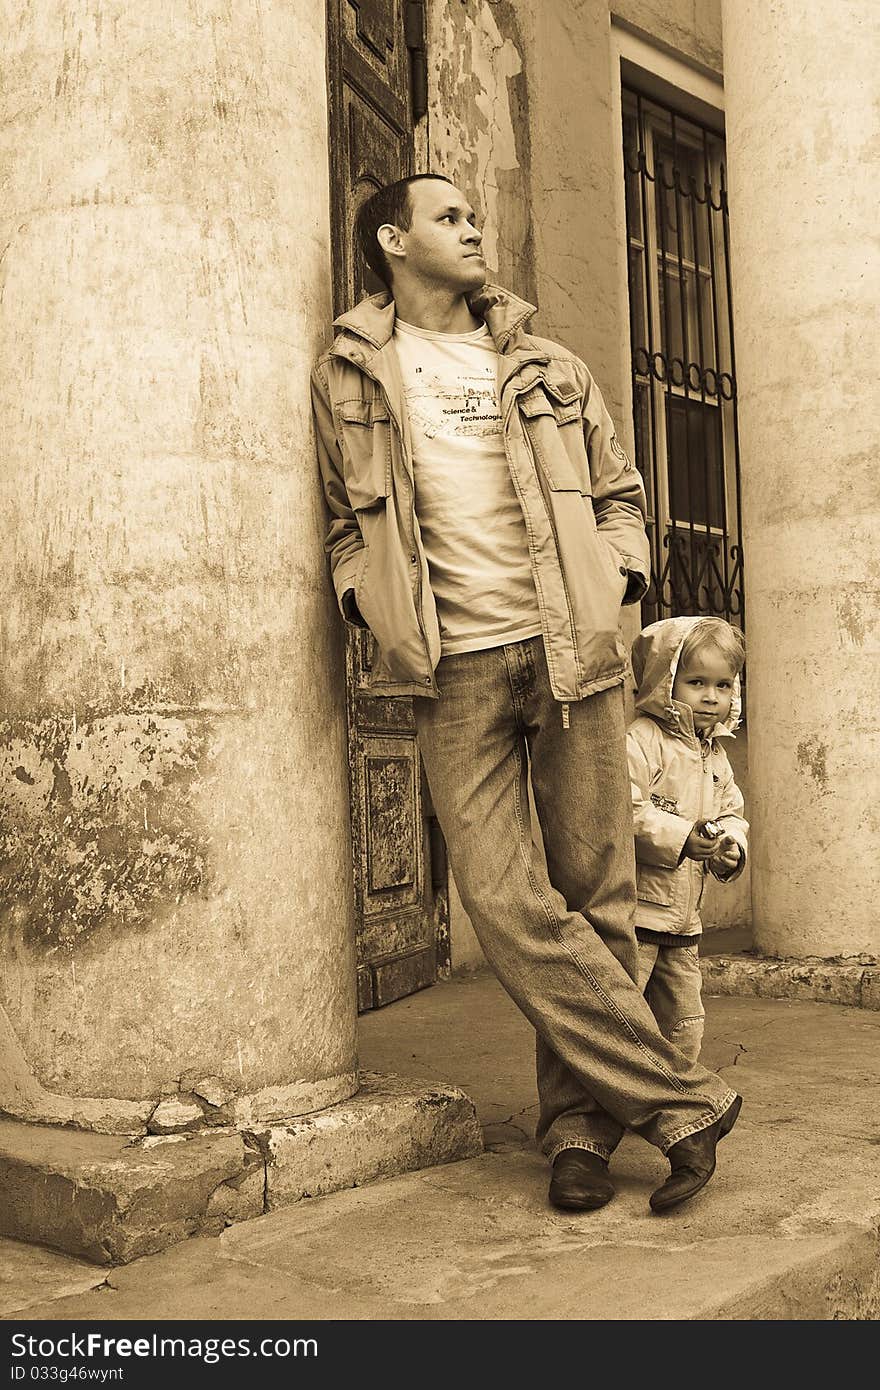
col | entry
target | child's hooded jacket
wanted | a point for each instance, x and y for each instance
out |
(676, 780)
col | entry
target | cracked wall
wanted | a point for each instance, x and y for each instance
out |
(95, 824)
(479, 129)
(691, 28)
(172, 744)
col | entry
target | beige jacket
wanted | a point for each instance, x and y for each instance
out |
(582, 500)
(676, 779)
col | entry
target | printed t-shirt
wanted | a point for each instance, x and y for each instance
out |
(469, 516)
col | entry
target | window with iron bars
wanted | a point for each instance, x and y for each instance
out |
(683, 366)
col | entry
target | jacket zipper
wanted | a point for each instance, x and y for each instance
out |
(701, 868)
(512, 471)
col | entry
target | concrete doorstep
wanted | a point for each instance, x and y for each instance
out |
(766, 978)
(730, 964)
(113, 1199)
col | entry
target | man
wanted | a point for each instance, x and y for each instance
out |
(486, 526)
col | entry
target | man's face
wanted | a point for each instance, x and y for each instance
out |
(442, 245)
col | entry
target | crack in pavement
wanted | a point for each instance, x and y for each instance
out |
(527, 1110)
(725, 1065)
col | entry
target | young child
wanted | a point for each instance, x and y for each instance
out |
(686, 805)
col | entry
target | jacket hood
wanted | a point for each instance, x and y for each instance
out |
(655, 656)
(504, 313)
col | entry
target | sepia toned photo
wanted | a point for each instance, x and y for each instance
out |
(438, 656)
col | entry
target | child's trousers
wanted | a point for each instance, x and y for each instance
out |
(669, 977)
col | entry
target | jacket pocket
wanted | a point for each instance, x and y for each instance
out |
(552, 416)
(366, 441)
(655, 885)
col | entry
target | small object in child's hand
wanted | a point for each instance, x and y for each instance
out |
(710, 828)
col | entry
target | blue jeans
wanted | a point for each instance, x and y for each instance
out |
(561, 938)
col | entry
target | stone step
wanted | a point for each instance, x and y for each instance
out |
(855, 983)
(112, 1199)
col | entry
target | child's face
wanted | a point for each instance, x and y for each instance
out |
(706, 685)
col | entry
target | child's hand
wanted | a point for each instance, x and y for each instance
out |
(700, 846)
(727, 856)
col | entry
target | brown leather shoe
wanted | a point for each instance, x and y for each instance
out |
(692, 1161)
(580, 1181)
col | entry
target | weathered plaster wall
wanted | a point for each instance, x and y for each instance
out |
(689, 28)
(802, 151)
(579, 241)
(174, 861)
(478, 125)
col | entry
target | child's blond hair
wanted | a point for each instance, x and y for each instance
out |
(715, 632)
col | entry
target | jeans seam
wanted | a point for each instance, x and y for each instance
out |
(553, 923)
(612, 1008)
(546, 907)
(696, 1126)
(583, 1144)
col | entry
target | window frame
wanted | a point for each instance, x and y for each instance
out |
(708, 547)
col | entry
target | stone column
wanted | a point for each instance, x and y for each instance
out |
(174, 857)
(799, 78)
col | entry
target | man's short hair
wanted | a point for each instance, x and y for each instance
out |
(389, 204)
(714, 632)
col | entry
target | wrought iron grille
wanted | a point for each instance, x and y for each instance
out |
(683, 365)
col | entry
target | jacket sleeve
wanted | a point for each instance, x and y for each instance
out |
(618, 492)
(730, 816)
(660, 835)
(343, 543)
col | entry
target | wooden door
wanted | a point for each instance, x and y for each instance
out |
(399, 861)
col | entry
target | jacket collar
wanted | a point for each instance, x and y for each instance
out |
(372, 323)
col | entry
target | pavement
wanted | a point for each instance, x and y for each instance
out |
(787, 1228)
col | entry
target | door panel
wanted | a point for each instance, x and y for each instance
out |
(401, 902)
